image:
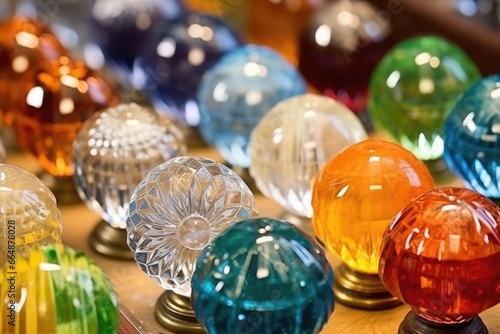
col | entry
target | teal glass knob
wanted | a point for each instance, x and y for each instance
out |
(412, 89)
(263, 275)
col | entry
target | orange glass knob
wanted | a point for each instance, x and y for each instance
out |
(24, 45)
(358, 192)
(60, 96)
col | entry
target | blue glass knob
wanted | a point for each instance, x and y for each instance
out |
(263, 276)
(174, 58)
(120, 27)
(177, 210)
(472, 137)
(237, 92)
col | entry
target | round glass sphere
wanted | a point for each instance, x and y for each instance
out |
(175, 57)
(57, 290)
(237, 92)
(177, 210)
(357, 193)
(339, 48)
(472, 143)
(61, 95)
(263, 276)
(28, 214)
(293, 141)
(25, 44)
(413, 88)
(440, 255)
(114, 151)
(120, 27)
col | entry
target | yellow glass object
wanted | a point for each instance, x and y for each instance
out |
(28, 214)
(358, 192)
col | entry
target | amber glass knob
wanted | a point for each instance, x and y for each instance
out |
(24, 45)
(56, 101)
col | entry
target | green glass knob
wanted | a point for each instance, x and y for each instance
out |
(412, 89)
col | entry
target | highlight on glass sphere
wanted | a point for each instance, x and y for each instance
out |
(339, 48)
(28, 214)
(440, 255)
(263, 275)
(472, 144)
(175, 56)
(276, 24)
(114, 151)
(358, 192)
(60, 291)
(61, 95)
(412, 89)
(25, 44)
(120, 27)
(177, 210)
(293, 141)
(237, 92)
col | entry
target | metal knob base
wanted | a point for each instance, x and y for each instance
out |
(175, 313)
(63, 188)
(110, 241)
(413, 324)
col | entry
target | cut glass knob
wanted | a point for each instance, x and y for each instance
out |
(293, 141)
(28, 213)
(472, 142)
(440, 256)
(177, 210)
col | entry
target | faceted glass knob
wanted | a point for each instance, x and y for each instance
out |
(263, 276)
(440, 255)
(293, 141)
(339, 48)
(120, 27)
(237, 92)
(114, 151)
(177, 210)
(28, 213)
(57, 290)
(25, 44)
(357, 193)
(55, 102)
(472, 144)
(413, 88)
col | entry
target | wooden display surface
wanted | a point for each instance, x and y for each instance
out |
(137, 293)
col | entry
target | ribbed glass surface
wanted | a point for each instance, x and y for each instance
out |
(28, 213)
(293, 141)
(472, 137)
(114, 151)
(440, 255)
(357, 193)
(414, 87)
(263, 276)
(177, 210)
(57, 291)
(237, 92)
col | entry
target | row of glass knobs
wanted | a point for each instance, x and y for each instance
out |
(439, 236)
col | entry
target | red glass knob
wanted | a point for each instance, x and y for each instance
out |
(440, 255)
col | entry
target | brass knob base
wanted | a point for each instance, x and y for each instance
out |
(110, 241)
(362, 291)
(63, 188)
(413, 324)
(175, 313)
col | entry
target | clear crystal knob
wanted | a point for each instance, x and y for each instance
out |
(177, 210)
(115, 150)
(293, 141)
(28, 213)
